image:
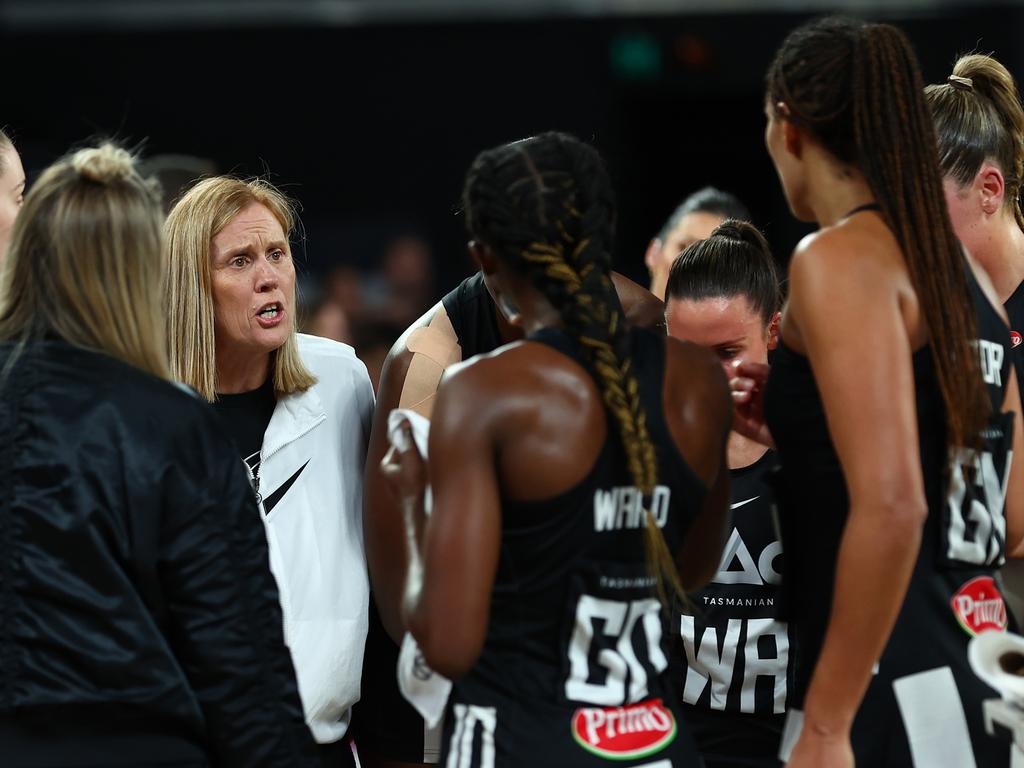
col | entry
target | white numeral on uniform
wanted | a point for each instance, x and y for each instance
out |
(460, 752)
(620, 621)
(989, 533)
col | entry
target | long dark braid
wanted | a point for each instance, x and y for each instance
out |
(857, 87)
(545, 206)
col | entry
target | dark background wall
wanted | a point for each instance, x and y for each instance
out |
(372, 126)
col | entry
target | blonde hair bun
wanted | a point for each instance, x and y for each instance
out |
(104, 164)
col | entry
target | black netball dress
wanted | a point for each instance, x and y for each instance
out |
(737, 662)
(473, 316)
(575, 667)
(923, 707)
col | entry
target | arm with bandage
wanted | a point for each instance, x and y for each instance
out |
(408, 380)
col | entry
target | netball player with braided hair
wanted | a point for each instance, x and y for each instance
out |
(893, 358)
(466, 322)
(579, 484)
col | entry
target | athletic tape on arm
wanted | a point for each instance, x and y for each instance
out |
(434, 348)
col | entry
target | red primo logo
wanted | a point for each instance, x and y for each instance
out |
(979, 607)
(622, 733)
(1016, 338)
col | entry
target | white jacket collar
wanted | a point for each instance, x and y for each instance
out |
(294, 416)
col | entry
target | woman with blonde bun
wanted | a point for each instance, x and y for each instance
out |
(139, 621)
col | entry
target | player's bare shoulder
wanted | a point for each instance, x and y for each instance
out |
(418, 359)
(519, 378)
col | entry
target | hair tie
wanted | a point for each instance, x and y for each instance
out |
(961, 83)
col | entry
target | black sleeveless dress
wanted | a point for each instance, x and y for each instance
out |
(575, 666)
(738, 670)
(923, 680)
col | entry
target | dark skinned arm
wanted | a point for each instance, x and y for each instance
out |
(383, 528)
(698, 410)
(457, 553)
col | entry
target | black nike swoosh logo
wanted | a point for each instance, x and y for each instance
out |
(270, 501)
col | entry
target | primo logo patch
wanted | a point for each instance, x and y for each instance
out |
(979, 607)
(624, 733)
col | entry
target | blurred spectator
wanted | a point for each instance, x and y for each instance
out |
(344, 287)
(370, 309)
(692, 220)
(373, 341)
(319, 314)
(399, 292)
(330, 321)
(176, 174)
(409, 271)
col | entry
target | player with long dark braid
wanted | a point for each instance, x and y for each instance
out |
(556, 464)
(890, 401)
(572, 270)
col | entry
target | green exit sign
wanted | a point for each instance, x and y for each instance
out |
(635, 57)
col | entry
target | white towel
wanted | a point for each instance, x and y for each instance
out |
(984, 653)
(424, 688)
(420, 433)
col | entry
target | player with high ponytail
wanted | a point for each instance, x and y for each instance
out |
(723, 293)
(579, 485)
(979, 124)
(891, 386)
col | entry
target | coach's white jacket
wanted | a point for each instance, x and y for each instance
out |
(311, 489)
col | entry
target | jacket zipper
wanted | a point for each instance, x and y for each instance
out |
(254, 477)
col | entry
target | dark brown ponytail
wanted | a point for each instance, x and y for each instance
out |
(857, 87)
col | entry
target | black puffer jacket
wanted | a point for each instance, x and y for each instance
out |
(139, 621)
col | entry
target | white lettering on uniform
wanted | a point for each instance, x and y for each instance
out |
(628, 512)
(983, 611)
(705, 665)
(604, 510)
(622, 507)
(595, 719)
(992, 355)
(659, 504)
(608, 723)
(754, 665)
